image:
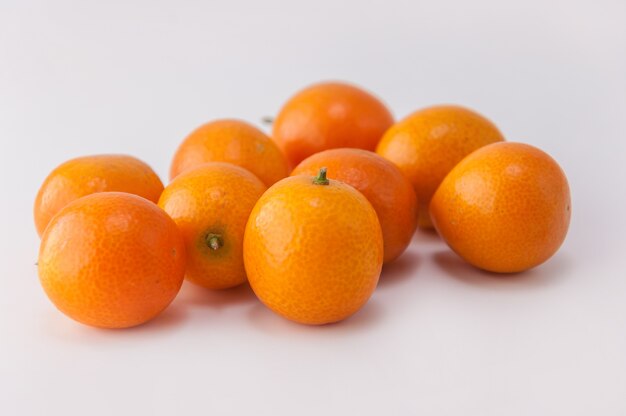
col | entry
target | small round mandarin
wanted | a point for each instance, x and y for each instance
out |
(504, 208)
(111, 260)
(427, 144)
(329, 115)
(231, 141)
(313, 249)
(381, 182)
(211, 204)
(90, 174)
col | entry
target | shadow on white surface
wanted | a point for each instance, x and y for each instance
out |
(427, 236)
(543, 275)
(195, 296)
(64, 328)
(399, 271)
(267, 321)
(170, 318)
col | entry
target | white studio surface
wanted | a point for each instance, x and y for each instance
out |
(438, 337)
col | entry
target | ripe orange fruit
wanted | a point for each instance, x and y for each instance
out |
(211, 204)
(111, 260)
(505, 208)
(330, 115)
(232, 141)
(90, 174)
(427, 144)
(381, 182)
(313, 249)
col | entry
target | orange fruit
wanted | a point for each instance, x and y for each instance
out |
(330, 115)
(313, 249)
(211, 204)
(381, 182)
(427, 144)
(505, 208)
(90, 174)
(111, 260)
(231, 141)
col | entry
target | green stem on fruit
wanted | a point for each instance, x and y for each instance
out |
(321, 179)
(214, 241)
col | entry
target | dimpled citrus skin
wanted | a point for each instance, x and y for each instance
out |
(214, 198)
(329, 115)
(231, 141)
(427, 144)
(381, 182)
(90, 174)
(313, 253)
(111, 260)
(505, 208)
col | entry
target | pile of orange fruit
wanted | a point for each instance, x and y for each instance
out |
(307, 216)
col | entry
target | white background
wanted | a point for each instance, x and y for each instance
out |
(438, 337)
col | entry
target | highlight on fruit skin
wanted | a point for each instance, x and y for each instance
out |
(381, 182)
(313, 249)
(231, 141)
(111, 260)
(329, 115)
(211, 204)
(428, 143)
(505, 208)
(90, 174)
